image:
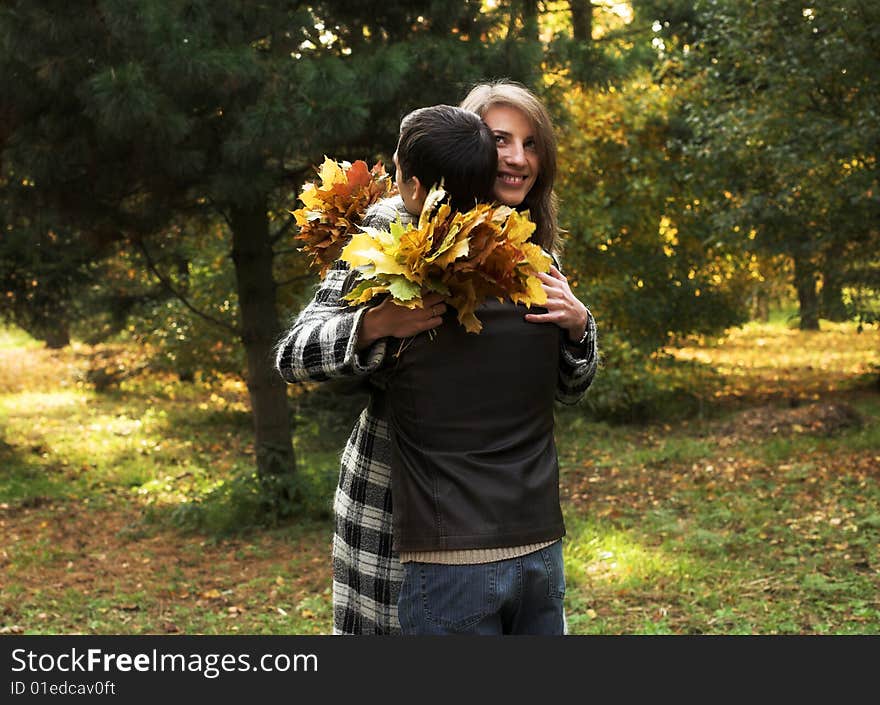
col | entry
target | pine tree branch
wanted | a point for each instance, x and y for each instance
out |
(293, 280)
(151, 265)
(628, 33)
(283, 230)
(210, 201)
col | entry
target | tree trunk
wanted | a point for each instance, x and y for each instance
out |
(808, 297)
(51, 329)
(581, 20)
(530, 20)
(759, 304)
(252, 256)
(57, 337)
(832, 305)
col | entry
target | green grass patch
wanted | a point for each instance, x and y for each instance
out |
(12, 338)
(136, 509)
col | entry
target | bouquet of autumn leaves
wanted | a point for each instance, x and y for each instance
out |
(465, 256)
(334, 207)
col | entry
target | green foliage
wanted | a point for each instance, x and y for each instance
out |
(633, 386)
(40, 276)
(194, 332)
(784, 117)
(248, 501)
(636, 253)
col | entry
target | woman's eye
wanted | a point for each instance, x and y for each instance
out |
(499, 139)
(530, 144)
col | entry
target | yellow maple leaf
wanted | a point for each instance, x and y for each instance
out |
(518, 228)
(311, 198)
(465, 300)
(331, 172)
(536, 257)
(533, 295)
(362, 295)
(413, 249)
(365, 250)
(459, 248)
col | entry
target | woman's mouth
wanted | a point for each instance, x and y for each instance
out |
(512, 179)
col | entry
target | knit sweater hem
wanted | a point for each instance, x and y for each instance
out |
(471, 556)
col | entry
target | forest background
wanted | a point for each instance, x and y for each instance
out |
(719, 187)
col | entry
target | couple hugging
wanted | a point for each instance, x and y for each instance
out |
(447, 516)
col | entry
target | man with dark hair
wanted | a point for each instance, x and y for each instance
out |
(474, 470)
(439, 144)
(448, 145)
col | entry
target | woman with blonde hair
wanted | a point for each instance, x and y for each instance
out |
(539, 197)
(331, 339)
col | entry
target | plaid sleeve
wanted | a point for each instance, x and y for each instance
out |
(577, 365)
(322, 342)
(577, 362)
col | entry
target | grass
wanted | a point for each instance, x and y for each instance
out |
(757, 514)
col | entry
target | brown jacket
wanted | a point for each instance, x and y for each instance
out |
(471, 415)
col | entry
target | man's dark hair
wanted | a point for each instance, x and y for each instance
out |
(449, 144)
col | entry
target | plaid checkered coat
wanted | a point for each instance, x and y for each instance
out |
(320, 345)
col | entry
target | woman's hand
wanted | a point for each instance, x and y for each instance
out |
(389, 319)
(563, 308)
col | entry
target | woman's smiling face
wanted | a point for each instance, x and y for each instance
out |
(518, 161)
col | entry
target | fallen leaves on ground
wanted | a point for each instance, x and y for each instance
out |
(142, 578)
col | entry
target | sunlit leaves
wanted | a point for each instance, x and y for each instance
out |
(784, 119)
(637, 250)
(334, 204)
(468, 257)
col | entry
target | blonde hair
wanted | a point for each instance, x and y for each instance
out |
(541, 199)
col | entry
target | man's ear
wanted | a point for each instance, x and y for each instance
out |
(418, 191)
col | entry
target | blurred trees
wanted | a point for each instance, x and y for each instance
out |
(175, 136)
(150, 153)
(784, 111)
(638, 249)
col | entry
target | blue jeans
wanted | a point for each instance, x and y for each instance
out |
(516, 596)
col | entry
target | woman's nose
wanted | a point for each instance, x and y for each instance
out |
(514, 154)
